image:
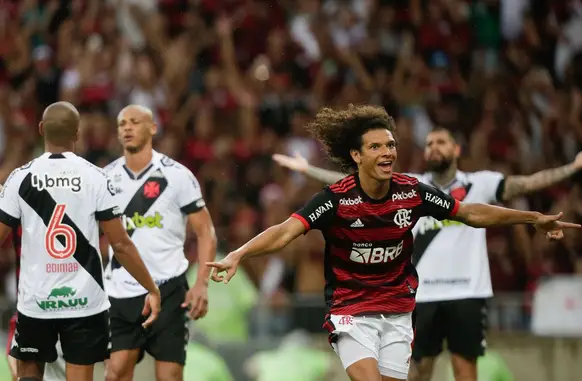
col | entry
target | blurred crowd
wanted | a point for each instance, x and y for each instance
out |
(231, 82)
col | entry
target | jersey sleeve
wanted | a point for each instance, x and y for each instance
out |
(107, 207)
(436, 203)
(10, 211)
(492, 185)
(190, 197)
(319, 212)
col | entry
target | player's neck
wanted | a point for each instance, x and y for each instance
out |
(373, 188)
(444, 178)
(139, 160)
(57, 149)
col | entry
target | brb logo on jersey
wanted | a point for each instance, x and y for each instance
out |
(72, 183)
(365, 253)
(139, 221)
(401, 196)
(351, 201)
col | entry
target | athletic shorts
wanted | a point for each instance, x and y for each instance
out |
(84, 340)
(385, 338)
(11, 331)
(166, 338)
(462, 323)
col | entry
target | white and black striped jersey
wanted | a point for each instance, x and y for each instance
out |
(155, 204)
(450, 257)
(59, 199)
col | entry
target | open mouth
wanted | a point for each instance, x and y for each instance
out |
(127, 138)
(385, 166)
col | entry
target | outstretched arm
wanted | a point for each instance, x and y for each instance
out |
(324, 175)
(442, 206)
(271, 240)
(518, 185)
(483, 216)
(317, 213)
(301, 165)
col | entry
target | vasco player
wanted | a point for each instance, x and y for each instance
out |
(159, 198)
(451, 258)
(54, 371)
(58, 199)
(367, 220)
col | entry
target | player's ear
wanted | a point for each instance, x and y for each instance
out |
(457, 150)
(153, 129)
(356, 156)
(41, 129)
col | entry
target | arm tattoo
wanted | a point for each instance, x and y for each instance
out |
(519, 185)
(324, 175)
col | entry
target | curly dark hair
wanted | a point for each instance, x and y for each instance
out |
(340, 131)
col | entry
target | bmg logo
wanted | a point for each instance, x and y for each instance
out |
(41, 183)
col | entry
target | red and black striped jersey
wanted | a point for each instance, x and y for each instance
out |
(369, 242)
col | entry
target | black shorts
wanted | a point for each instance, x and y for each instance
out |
(84, 340)
(166, 338)
(462, 323)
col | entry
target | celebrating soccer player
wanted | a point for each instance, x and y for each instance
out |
(367, 220)
(450, 257)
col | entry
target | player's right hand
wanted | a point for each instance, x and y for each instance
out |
(152, 307)
(297, 163)
(229, 265)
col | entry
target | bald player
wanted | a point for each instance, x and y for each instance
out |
(159, 198)
(61, 200)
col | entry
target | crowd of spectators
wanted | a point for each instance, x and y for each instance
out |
(231, 82)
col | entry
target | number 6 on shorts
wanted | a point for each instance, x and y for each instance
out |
(55, 228)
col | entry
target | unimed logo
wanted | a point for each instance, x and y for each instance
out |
(47, 181)
(366, 253)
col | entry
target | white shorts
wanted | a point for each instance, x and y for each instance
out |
(386, 338)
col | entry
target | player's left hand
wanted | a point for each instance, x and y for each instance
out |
(553, 227)
(578, 161)
(197, 301)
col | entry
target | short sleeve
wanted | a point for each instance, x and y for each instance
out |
(10, 211)
(436, 203)
(492, 185)
(319, 212)
(190, 197)
(107, 207)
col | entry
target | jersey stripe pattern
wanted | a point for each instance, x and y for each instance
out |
(155, 204)
(59, 199)
(369, 242)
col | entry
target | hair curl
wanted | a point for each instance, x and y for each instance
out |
(340, 131)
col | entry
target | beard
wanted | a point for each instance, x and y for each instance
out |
(439, 166)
